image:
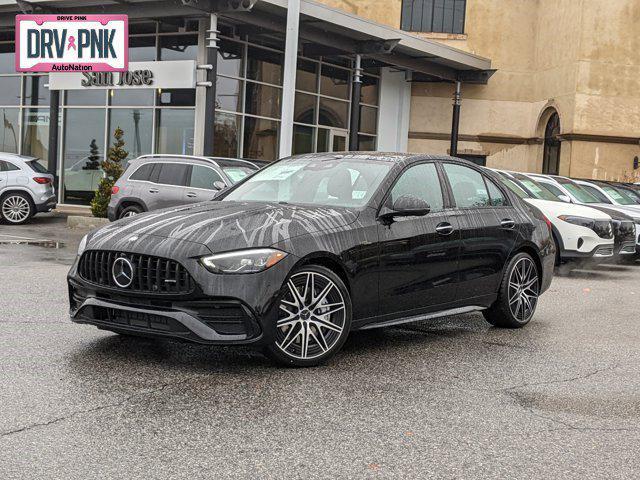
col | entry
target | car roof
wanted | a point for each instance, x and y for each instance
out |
(392, 157)
(16, 157)
(216, 161)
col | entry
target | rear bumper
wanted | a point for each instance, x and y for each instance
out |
(47, 205)
(111, 213)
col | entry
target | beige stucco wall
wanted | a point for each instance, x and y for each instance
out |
(581, 57)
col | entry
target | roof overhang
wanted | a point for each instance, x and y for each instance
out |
(321, 29)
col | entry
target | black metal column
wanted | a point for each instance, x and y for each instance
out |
(356, 90)
(211, 69)
(54, 114)
(455, 121)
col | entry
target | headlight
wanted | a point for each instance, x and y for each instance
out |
(581, 221)
(243, 261)
(83, 245)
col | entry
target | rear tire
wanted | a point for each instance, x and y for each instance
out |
(130, 211)
(314, 318)
(16, 208)
(518, 294)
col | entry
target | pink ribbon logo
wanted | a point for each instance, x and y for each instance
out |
(72, 43)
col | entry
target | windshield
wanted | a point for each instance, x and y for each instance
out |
(344, 182)
(596, 193)
(515, 188)
(236, 174)
(633, 194)
(578, 192)
(538, 190)
(617, 195)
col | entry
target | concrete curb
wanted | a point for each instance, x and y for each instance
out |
(85, 223)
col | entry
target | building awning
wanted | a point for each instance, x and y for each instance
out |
(323, 31)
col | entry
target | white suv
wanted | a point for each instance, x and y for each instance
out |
(25, 188)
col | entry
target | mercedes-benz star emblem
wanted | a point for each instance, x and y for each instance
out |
(122, 272)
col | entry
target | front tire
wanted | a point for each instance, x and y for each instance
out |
(314, 318)
(518, 294)
(16, 208)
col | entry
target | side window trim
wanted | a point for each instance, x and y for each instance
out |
(399, 175)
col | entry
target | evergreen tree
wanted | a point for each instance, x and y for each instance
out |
(112, 167)
(93, 160)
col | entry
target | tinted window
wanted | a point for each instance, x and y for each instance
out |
(553, 189)
(468, 187)
(8, 167)
(36, 166)
(203, 177)
(596, 193)
(142, 173)
(173, 174)
(496, 195)
(420, 181)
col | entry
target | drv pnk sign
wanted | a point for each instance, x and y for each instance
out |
(72, 43)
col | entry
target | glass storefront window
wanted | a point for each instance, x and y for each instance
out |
(262, 100)
(142, 49)
(306, 75)
(35, 92)
(230, 55)
(177, 97)
(175, 131)
(10, 90)
(131, 97)
(137, 125)
(260, 138)
(368, 119)
(334, 113)
(302, 139)
(9, 129)
(369, 93)
(334, 82)
(305, 108)
(228, 94)
(366, 143)
(86, 97)
(82, 154)
(7, 58)
(264, 65)
(227, 135)
(35, 133)
(179, 47)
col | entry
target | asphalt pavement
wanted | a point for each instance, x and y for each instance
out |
(449, 398)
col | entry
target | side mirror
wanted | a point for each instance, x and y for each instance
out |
(405, 206)
(219, 185)
(565, 198)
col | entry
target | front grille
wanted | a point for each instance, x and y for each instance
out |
(150, 274)
(603, 228)
(624, 230)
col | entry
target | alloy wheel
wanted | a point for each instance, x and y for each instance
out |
(16, 209)
(523, 289)
(130, 213)
(312, 316)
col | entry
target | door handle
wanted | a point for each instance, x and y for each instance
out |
(507, 223)
(444, 228)
(153, 190)
(191, 195)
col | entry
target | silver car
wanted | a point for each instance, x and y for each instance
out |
(151, 182)
(25, 188)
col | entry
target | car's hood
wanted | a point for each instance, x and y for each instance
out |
(226, 225)
(632, 211)
(554, 209)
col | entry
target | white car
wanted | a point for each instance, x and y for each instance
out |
(579, 231)
(588, 193)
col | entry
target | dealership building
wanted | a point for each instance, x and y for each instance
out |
(219, 84)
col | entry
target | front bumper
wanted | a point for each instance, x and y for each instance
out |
(599, 252)
(222, 309)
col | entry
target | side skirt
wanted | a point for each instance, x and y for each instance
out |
(423, 316)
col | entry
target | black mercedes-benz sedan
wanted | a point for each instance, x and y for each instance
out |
(313, 247)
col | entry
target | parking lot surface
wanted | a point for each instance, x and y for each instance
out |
(449, 398)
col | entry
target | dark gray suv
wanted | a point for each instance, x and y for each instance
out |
(152, 182)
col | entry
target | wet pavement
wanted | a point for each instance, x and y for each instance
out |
(450, 398)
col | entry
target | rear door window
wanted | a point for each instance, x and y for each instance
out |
(143, 173)
(9, 167)
(467, 185)
(174, 174)
(203, 177)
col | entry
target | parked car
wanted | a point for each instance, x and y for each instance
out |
(589, 194)
(25, 188)
(579, 232)
(151, 182)
(312, 247)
